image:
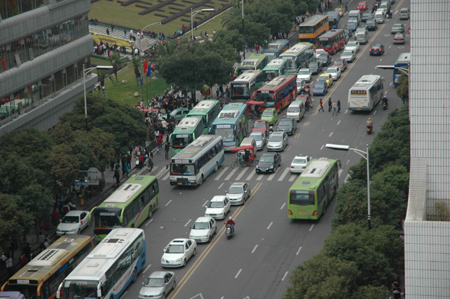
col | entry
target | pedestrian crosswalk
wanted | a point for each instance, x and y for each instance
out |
(237, 174)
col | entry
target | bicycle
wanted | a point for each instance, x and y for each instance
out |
(239, 163)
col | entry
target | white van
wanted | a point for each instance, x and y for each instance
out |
(355, 14)
(379, 16)
(296, 110)
(404, 14)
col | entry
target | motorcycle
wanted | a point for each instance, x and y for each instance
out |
(369, 129)
(230, 231)
(384, 105)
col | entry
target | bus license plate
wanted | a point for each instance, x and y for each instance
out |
(302, 211)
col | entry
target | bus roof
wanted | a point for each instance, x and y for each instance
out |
(276, 82)
(128, 190)
(276, 63)
(247, 76)
(205, 104)
(230, 113)
(104, 255)
(196, 148)
(296, 49)
(330, 34)
(366, 81)
(188, 122)
(404, 58)
(314, 20)
(313, 173)
(49, 260)
(276, 44)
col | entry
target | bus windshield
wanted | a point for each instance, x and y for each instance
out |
(80, 289)
(240, 89)
(182, 140)
(29, 291)
(301, 198)
(265, 97)
(325, 43)
(227, 133)
(182, 169)
(109, 218)
(270, 75)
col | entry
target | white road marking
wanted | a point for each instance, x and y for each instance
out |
(239, 272)
(148, 222)
(272, 175)
(346, 178)
(292, 178)
(259, 177)
(254, 248)
(204, 204)
(220, 186)
(322, 147)
(298, 251)
(348, 161)
(271, 225)
(123, 295)
(187, 223)
(160, 172)
(282, 206)
(310, 229)
(340, 172)
(221, 174)
(375, 112)
(250, 175)
(346, 110)
(231, 174)
(168, 202)
(330, 135)
(285, 172)
(147, 268)
(338, 123)
(241, 174)
(166, 176)
(284, 276)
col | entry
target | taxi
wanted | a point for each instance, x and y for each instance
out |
(362, 6)
(339, 9)
(327, 78)
(270, 115)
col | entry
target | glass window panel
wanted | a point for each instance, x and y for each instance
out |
(59, 80)
(47, 88)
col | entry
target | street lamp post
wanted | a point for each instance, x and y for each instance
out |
(142, 30)
(365, 155)
(193, 13)
(85, 72)
(243, 26)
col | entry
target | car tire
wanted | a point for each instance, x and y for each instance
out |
(163, 296)
(216, 167)
(184, 262)
(78, 231)
(195, 252)
(209, 239)
(174, 285)
(134, 275)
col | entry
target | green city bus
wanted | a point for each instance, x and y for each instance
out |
(208, 111)
(187, 130)
(129, 206)
(254, 62)
(275, 68)
(312, 192)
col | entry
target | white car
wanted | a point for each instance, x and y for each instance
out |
(299, 163)
(73, 223)
(178, 252)
(260, 139)
(304, 74)
(238, 193)
(353, 46)
(203, 230)
(158, 285)
(348, 55)
(318, 52)
(335, 72)
(218, 207)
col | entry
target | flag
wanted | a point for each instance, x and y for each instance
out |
(142, 81)
(149, 71)
(145, 65)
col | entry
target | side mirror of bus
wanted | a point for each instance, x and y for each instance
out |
(167, 166)
(99, 293)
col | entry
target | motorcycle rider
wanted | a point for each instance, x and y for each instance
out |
(231, 223)
(385, 100)
(369, 123)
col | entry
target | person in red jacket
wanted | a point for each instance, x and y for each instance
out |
(159, 142)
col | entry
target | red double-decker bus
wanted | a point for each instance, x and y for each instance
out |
(278, 93)
(333, 41)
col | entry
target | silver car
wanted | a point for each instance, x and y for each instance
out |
(348, 55)
(73, 223)
(304, 74)
(238, 193)
(277, 141)
(158, 285)
(260, 139)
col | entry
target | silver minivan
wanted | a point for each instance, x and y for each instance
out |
(296, 110)
(361, 37)
(404, 13)
(379, 16)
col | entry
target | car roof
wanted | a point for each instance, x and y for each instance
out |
(159, 274)
(240, 184)
(75, 213)
(203, 219)
(178, 241)
(376, 45)
(260, 121)
(218, 198)
(268, 154)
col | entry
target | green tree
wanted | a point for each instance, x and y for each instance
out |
(117, 62)
(233, 38)
(371, 292)
(403, 89)
(102, 76)
(300, 8)
(276, 15)
(64, 166)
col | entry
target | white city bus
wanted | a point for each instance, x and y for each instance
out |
(197, 161)
(108, 270)
(298, 56)
(365, 94)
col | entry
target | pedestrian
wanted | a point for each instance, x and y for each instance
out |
(339, 105)
(141, 160)
(46, 243)
(346, 8)
(124, 33)
(27, 251)
(159, 141)
(112, 26)
(9, 266)
(330, 105)
(117, 177)
(166, 149)
(107, 31)
(55, 216)
(321, 105)
(256, 49)
(23, 260)
(334, 109)
(217, 92)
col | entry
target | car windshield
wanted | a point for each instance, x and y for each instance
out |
(259, 125)
(360, 35)
(216, 204)
(276, 138)
(257, 137)
(303, 72)
(320, 85)
(285, 123)
(313, 65)
(267, 113)
(235, 190)
(293, 109)
(397, 26)
(200, 225)
(70, 219)
(323, 57)
(339, 62)
(323, 78)
(347, 53)
(175, 249)
(370, 22)
(267, 159)
(351, 44)
(331, 71)
(154, 282)
(299, 161)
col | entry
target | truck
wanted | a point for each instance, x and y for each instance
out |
(352, 14)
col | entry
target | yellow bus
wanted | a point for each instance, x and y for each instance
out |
(312, 29)
(41, 277)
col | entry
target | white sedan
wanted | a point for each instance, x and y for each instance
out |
(335, 72)
(73, 223)
(304, 74)
(348, 55)
(318, 52)
(353, 46)
(203, 230)
(219, 205)
(299, 163)
(178, 252)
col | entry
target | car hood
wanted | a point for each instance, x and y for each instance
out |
(259, 142)
(172, 256)
(214, 210)
(198, 232)
(67, 226)
(263, 130)
(151, 291)
(274, 143)
(234, 196)
(264, 164)
(303, 76)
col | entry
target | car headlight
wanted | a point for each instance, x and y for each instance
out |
(74, 230)
(180, 259)
(271, 167)
(163, 260)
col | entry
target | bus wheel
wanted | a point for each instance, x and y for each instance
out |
(134, 275)
(325, 205)
(150, 212)
(203, 179)
(217, 167)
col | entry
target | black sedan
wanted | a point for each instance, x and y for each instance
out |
(371, 25)
(286, 125)
(377, 49)
(269, 162)
(315, 67)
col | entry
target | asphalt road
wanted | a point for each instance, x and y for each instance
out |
(267, 246)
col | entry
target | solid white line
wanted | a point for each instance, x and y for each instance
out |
(259, 177)
(241, 174)
(310, 229)
(338, 123)
(254, 248)
(204, 204)
(166, 176)
(231, 174)
(239, 272)
(147, 268)
(271, 225)
(340, 172)
(330, 134)
(160, 172)
(285, 172)
(282, 206)
(221, 174)
(168, 202)
(123, 295)
(187, 223)
(348, 161)
(298, 251)
(284, 276)
(148, 222)
(250, 175)
(220, 186)
(292, 178)
(322, 147)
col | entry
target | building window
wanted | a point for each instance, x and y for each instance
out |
(70, 71)
(47, 86)
(59, 80)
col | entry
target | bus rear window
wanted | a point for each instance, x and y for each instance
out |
(301, 198)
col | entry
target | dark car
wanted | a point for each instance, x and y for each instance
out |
(320, 89)
(286, 125)
(371, 25)
(324, 59)
(377, 49)
(269, 162)
(367, 15)
(315, 67)
(351, 26)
